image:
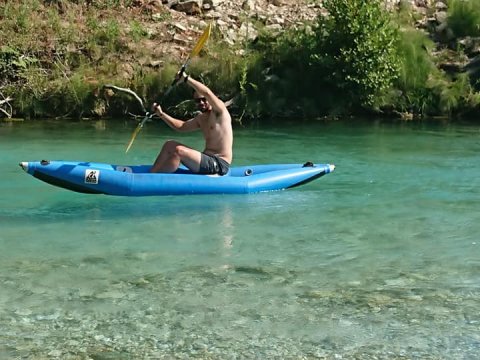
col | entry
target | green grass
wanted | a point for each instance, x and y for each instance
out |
(464, 17)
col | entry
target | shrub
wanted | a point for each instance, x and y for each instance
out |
(416, 68)
(357, 48)
(464, 17)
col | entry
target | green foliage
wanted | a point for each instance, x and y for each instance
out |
(404, 15)
(54, 20)
(19, 14)
(357, 48)
(348, 60)
(423, 89)
(416, 68)
(108, 34)
(104, 34)
(453, 97)
(55, 53)
(137, 31)
(13, 64)
(109, 4)
(269, 74)
(464, 17)
(162, 16)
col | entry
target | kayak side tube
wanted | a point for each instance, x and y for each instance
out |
(99, 178)
(287, 178)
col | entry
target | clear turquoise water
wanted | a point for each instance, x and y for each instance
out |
(380, 258)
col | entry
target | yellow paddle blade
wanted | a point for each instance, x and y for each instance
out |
(134, 135)
(203, 39)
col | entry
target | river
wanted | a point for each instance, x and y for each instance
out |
(380, 259)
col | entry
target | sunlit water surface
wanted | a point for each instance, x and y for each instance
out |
(380, 258)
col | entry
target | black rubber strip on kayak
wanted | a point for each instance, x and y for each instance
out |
(306, 181)
(64, 184)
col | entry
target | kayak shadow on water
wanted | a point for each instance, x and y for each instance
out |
(214, 227)
(74, 207)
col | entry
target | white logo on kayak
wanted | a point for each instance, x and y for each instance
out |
(92, 176)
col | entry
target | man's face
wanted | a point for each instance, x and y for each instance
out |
(201, 102)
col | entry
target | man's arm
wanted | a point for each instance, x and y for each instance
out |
(218, 106)
(176, 124)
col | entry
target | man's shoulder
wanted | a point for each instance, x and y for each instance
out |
(221, 112)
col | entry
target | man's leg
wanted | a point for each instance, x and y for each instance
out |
(172, 154)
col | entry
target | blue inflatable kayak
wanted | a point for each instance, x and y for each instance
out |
(98, 178)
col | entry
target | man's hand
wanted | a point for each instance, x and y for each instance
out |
(181, 77)
(157, 109)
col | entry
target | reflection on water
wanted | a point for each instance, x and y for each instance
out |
(379, 259)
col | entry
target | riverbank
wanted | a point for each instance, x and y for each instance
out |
(58, 55)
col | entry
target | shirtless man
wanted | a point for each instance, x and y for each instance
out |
(216, 125)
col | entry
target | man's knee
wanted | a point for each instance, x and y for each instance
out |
(175, 148)
(170, 146)
(181, 150)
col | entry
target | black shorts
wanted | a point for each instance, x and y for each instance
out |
(212, 164)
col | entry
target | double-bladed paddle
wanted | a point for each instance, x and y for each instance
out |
(196, 50)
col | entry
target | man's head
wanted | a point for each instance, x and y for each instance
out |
(202, 103)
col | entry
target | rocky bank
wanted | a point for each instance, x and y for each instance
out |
(238, 21)
(170, 28)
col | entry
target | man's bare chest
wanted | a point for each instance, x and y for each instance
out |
(210, 124)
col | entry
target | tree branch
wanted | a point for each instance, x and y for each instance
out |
(7, 102)
(128, 91)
